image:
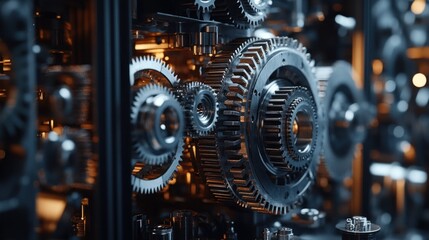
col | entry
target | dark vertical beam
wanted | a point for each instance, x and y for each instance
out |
(368, 32)
(113, 203)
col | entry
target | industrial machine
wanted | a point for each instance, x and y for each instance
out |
(214, 119)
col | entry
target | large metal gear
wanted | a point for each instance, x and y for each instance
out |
(241, 13)
(241, 166)
(201, 107)
(158, 124)
(346, 114)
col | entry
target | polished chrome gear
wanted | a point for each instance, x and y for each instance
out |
(145, 71)
(247, 75)
(200, 103)
(158, 123)
(241, 13)
(346, 114)
(148, 69)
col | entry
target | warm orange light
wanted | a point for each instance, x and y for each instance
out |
(418, 52)
(150, 46)
(418, 6)
(50, 208)
(377, 66)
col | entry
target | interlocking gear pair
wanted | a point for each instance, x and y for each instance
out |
(266, 146)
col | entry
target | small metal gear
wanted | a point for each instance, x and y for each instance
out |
(346, 114)
(158, 124)
(204, 5)
(160, 147)
(241, 13)
(158, 121)
(235, 165)
(144, 71)
(200, 103)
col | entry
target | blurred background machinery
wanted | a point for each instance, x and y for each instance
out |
(214, 119)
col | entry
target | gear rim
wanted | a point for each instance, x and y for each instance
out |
(239, 175)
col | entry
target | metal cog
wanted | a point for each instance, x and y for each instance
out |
(346, 115)
(153, 144)
(151, 78)
(152, 105)
(148, 70)
(153, 68)
(204, 5)
(241, 13)
(237, 168)
(201, 107)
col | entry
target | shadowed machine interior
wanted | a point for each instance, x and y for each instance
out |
(214, 119)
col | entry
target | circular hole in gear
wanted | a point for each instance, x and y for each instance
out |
(169, 124)
(302, 131)
(206, 110)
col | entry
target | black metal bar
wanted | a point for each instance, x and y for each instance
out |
(369, 94)
(113, 214)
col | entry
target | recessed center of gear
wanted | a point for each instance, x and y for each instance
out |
(302, 130)
(200, 105)
(169, 125)
(206, 109)
(159, 122)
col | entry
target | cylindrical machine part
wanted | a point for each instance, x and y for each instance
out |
(285, 233)
(140, 227)
(162, 232)
(358, 228)
(182, 224)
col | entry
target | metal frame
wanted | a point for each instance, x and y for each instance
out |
(113, 190)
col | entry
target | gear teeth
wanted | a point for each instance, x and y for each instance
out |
(150, 186)
(226, 166)
(169, 161)
(240, 13)
(150, 63)
(191, 95)
(139, 99)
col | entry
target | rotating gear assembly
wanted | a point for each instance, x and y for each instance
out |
(200, 103)
(158, 123)
(269, 129)
(347, 115)
(241, 13)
